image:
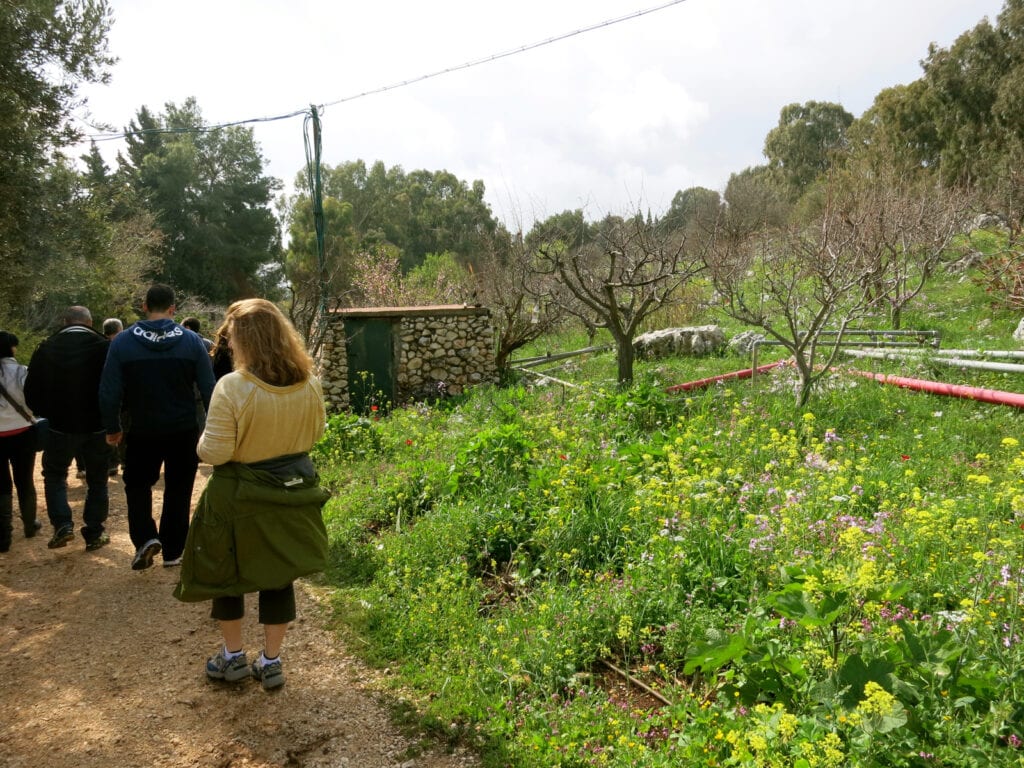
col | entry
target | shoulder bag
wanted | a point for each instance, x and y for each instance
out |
(40, 427)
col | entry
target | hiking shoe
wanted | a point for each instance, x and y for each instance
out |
(270, 674)
(144, 555)
(219, 667)
(31, 529)
(97, 542)
(172, 563)
(61, 537)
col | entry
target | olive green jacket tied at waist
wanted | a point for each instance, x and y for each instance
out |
(256, 526)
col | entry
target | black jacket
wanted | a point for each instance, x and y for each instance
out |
(64, 379)
(153, 371)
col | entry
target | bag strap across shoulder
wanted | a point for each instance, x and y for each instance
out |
(22, 412)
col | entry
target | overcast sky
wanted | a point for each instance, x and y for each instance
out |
(609, 120)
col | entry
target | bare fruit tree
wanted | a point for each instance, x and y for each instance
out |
(503, 279)
(901, 224)
(628, 271)
(795, 283)
(877, 235)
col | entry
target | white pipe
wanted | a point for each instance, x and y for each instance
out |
(543, 376)
(1015, 354)
(957, 362)
(982, 365)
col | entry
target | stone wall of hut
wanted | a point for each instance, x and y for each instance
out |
(438, 351)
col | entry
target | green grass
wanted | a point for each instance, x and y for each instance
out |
(838, 586)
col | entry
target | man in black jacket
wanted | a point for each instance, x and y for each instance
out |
(63, 385)
(153, 371)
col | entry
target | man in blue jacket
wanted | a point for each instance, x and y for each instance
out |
(63, 385)
(153, 370)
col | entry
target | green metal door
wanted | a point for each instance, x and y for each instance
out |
(371, 364)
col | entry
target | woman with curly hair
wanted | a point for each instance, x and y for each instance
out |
(258, 525)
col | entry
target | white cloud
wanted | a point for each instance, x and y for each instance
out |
(643, 114)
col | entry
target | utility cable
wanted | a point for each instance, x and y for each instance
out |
(111, 136)
(114, 135)
(504, 54)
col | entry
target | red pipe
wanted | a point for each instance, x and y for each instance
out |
(744, 374)
(953, 390)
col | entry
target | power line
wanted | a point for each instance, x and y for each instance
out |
(505, 54)
(196, 129)
(111, 136)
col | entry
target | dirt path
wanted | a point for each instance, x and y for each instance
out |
(103, 668)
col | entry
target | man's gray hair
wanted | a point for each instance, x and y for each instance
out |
(77, 315)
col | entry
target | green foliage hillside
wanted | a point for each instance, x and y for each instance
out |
(838, 586)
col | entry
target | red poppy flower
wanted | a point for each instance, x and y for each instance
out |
(904, 457)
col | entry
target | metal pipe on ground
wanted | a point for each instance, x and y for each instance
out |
(529, 362)
(918, 352)
(744, 374)
(983, 365)
(541, 375)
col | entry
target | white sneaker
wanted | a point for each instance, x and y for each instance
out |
(172, 563)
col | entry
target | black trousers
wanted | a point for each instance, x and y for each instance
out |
(17, 469)
(277, 606)
(144, 455)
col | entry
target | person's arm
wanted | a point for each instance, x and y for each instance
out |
(37, 383)
(204, 377)
(110, 394)
(20, 378)
(217, 443)
(323, 408)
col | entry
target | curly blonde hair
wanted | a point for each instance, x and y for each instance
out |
(264, 343)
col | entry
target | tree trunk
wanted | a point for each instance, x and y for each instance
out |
(896, 316)
(804, 369)
(625, 355)
(805, 392)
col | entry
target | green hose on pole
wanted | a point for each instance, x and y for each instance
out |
(315, 181)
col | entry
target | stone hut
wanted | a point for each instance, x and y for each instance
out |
(391, 355)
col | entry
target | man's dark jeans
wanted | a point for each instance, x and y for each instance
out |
(144, 455)
(61, 449)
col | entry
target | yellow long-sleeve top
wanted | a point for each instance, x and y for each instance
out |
(250, 420)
